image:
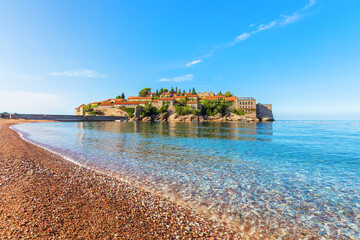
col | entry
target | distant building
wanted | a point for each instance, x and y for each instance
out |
(80, 111)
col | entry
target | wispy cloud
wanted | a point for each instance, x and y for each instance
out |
(310, 4)
(287, 19)
(263, 27)
(242, 37)
(79, 73)
(189, 64)
(184, 78)
(280, 22)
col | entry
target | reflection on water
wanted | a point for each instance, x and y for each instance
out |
(259, 177)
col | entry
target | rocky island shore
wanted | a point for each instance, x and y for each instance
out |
(180, 106)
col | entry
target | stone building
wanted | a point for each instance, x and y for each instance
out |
(80, 111)
(193, 104)
(141, 99)
(247, 104)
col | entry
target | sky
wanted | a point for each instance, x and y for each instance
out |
(302, 56)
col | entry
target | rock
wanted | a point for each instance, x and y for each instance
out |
(147, 119)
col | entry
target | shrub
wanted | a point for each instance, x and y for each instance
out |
(164, 108)
(149, 110)
(238, 112)
(213, 107)
(90, 109)
(129, 111)
(186, 110)
(182, 102)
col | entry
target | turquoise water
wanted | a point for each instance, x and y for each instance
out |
(282, 177)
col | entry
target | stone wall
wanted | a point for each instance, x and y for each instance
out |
(66, 118)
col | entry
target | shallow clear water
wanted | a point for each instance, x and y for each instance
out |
(267, 177)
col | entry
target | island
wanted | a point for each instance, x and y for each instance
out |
(180, 106)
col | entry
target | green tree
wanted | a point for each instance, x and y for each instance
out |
(165, 90)
(157, 93)
(213, 107)
(228, 94)
(193, 91)
(164, 108)
(118, 97)
(144, 92)
(149, 110)
(161, 91)
(176, 90)
(219, 94)
(181, 110)
(182, 102)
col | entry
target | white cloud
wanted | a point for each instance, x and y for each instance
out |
(184, 78)
(310, 4)
(34, 102)
(290, 19)
(263, 27)
(189, 64)
(242, 37)
(79, 73)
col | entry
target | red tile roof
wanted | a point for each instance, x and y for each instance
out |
(166, 99)
(82, 105)
(133, 103)
(230, 98)
(140, 98)
(192, 102)
(213, 97)
(106, 104)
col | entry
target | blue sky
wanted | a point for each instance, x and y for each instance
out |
(302, 56)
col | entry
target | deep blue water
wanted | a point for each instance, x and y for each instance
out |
(288, 176)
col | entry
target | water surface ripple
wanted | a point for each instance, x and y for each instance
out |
(282, 177)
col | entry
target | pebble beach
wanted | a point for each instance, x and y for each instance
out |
(43, 196)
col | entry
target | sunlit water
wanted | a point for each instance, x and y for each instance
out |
(283, 177)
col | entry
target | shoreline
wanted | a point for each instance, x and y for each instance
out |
(44, 195)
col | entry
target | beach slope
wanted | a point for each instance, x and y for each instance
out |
(43, 196)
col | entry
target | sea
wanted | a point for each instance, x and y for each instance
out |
(297, 178)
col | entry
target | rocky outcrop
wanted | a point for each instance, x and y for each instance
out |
(264, 112)
(174, 117)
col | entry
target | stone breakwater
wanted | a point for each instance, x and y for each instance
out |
(43, 196)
